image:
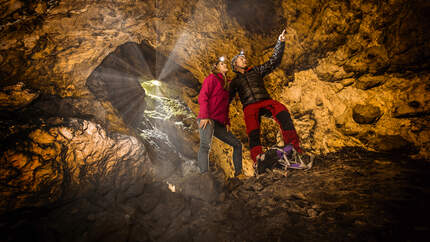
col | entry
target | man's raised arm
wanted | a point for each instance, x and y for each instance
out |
(276, 57)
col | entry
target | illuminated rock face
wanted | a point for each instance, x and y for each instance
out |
(343, 61)
(60, 159)
(339, 55)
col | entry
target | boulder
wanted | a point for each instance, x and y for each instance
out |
(365, 114)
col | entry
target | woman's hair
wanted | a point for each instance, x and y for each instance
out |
(214, 70)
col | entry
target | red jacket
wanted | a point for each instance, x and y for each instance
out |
(213, 99)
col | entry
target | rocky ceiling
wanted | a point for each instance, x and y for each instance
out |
(354, 73)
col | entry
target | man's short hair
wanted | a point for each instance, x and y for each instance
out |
(233, 60)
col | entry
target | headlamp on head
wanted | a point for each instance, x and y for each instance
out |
(221, 59)
(233, 61)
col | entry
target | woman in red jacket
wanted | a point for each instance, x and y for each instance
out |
(213, 117)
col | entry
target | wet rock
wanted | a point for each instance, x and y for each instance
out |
(166, 163)
(365, 114)
(172, 117)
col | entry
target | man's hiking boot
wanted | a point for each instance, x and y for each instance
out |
(267, 160)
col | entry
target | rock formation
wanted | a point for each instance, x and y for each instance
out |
(354, 73)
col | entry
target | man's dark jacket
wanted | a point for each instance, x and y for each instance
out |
(250, 85)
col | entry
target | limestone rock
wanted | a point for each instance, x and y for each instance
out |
(53, 47)
(367, 82)
(172, 116)
(393, 143)
(16, 96)
(63, 159)
(75, 126)
(411, 109)
(331, 72)
(365, 114)
(413, 102)
(200, 186)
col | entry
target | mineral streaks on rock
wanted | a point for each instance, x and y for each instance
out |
(61, 160)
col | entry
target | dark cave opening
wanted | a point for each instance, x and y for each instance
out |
(146, 88)
(119, 77)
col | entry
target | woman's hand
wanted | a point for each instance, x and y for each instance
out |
(204, 122)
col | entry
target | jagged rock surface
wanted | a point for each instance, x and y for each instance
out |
(46, 162)
(339, 54)
(354, 196)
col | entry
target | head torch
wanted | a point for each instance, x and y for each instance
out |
(233, 60)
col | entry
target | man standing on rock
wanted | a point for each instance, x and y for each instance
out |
(256, 100)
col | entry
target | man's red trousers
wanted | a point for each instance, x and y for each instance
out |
(280, 113)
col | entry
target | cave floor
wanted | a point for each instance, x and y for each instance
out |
(349, 196)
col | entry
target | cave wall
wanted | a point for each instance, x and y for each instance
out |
(367, 85)
(354, 73)
(60, 159)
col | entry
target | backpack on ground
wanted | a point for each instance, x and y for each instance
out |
(283, 158)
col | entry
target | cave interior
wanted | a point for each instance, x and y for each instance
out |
(99, 133)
